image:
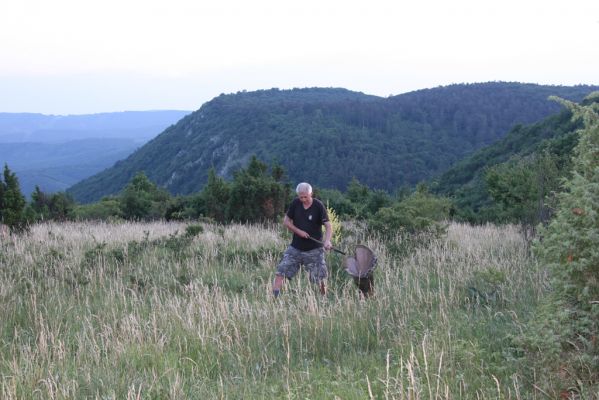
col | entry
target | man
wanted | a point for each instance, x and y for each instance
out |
(305, 218)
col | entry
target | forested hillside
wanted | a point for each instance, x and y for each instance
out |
(465, 182)
(328, 136)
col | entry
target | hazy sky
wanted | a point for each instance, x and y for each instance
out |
(88, 56)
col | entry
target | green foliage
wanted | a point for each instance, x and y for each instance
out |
(549, 141)
(183, 208)
(255, 195)
(12, 213)
(336, 227)
(359, 201)
(215, 197)
(568, 248)
(2, 190)
(61, 206)
(40, 203)
(521, 188)
(337, 201)
(486, 287)
(143, 200)
(56, 206)
(377, 199)
(193, 230)
(103, 210)
(328, 136)
(422, 211)
(356, 192)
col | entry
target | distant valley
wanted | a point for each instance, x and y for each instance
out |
(55, 152)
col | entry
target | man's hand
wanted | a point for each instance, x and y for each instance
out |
(303, 234)
(288, 223)
(327, 245)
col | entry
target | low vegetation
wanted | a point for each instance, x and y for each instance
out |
(170, 310)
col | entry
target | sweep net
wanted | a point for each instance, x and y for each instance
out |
(362, 263)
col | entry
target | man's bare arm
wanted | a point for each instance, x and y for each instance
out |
(288, 222)
(328, 232)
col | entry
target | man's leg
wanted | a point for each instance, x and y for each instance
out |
(323, 288)
(316, 265)
(277, 285)
(287, 268)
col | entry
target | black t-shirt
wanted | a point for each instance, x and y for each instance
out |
(309, 220)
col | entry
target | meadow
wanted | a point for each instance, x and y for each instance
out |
(173, 310)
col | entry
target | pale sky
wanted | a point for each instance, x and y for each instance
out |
(88, 56)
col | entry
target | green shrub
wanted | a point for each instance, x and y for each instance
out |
(143, 200)
(104, 210)
(569, 248)
(486, 287)
(193, 230)
(419, 212)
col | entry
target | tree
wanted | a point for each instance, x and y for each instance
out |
(359, 195)
(419, 212)
(61, 206)
(13, 211)
(377, 199)
(2, 190)
(40, 204)
(57, 206)
(142, 199)
(569, 248)
(520, 187)
(334, 199)
(278, 172)
(215, 197)
(255, 195)
(356, 192)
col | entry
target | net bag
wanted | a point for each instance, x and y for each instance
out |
(361, 267)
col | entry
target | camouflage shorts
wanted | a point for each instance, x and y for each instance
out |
(312, 260)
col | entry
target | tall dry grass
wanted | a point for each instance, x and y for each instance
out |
(143, 310)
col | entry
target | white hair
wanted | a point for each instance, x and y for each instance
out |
(303, 188)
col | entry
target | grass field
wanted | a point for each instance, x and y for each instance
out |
(167, 311)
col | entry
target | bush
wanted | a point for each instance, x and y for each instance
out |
(193, 230)
(419, 212)
(104, 210)
(569, 248)
(337, 201)
(143, 200)
(256, 196)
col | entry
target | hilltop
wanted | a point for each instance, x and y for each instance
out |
(329, 135)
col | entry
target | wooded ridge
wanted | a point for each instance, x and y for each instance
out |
(328, 135)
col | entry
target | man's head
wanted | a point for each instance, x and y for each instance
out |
(304, 193)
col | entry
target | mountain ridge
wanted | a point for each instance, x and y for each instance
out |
(329, 135)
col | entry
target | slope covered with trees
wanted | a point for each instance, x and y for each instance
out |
(328, 136)
(515, 173)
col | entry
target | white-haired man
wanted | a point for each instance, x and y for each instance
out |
(305, 218)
